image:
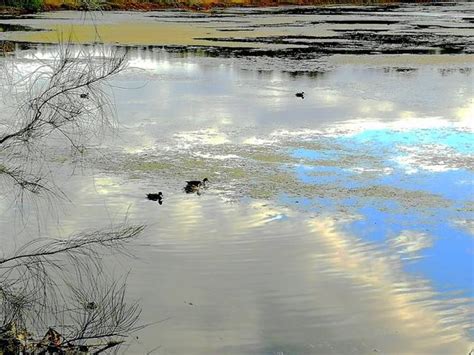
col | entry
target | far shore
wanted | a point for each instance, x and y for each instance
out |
(187, 5)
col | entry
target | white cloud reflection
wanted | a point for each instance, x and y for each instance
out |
(208, 136)
(409, 243)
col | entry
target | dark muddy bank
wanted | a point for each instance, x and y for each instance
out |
(289, 33)
(370, 30)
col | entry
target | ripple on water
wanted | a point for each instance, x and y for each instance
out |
(301, 276)
(304, 233)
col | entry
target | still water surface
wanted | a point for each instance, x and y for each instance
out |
(337, 224)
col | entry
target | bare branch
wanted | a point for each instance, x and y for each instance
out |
(79, 243)
(65, 96)
(61, 281)
(64, 92)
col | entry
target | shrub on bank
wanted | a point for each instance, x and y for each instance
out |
(27, 5)
(39, 5)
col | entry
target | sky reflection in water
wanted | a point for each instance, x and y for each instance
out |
(293, 271)
(447, 260)
(419, 144)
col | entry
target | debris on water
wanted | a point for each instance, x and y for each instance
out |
(6, 47)
(17, 340)
(12, 338)
(52, 337)
(10, 27)
(156, 197)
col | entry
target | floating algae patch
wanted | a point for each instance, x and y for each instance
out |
(346, 165)
(8, 27)
(147, 165)
(379, 196)
(327, 171)
(272, 185)
(467, 207)
(354, 161)
(236, 173)
(268, 172)
(407, 198)
(123, 33)
(173, 166)
(320, 144)
(267, 185)
(134, 33)
(195, 163)
(271, 157)
(267, 178)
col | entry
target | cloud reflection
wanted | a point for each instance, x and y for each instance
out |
(409, 243)
(410, 301)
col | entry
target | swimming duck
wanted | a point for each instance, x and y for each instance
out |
(84, 96)
(300, 94)
(156, 197)
(195, 185)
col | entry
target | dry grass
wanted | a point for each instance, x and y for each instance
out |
(9, 6)
(206, 4)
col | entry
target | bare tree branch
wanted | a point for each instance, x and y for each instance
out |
(50, 282)
(83, 242)
(66, 96)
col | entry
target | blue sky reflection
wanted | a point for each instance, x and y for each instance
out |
(445, 253)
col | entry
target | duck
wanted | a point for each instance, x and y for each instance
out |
(195, 185)
(156, 197)
(84, 95)
(300, 94)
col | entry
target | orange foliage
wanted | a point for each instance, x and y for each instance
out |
(56, 4)
(202, 5)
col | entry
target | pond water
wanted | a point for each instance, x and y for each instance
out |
(340, 223)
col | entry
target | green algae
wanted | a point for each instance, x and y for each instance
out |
(271, 157)
(147, 165)
(267, 173)
(236, 173)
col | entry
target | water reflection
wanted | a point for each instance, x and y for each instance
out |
(263, 278)
(445, 244)
(316, 221)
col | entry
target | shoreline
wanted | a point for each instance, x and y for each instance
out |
(208, 6)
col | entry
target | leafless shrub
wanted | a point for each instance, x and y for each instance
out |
(63, 283)
(59, 283)
(64, 96)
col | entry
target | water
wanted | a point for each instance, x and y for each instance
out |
(337, 224)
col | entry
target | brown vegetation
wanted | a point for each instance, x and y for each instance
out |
(206, 5)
